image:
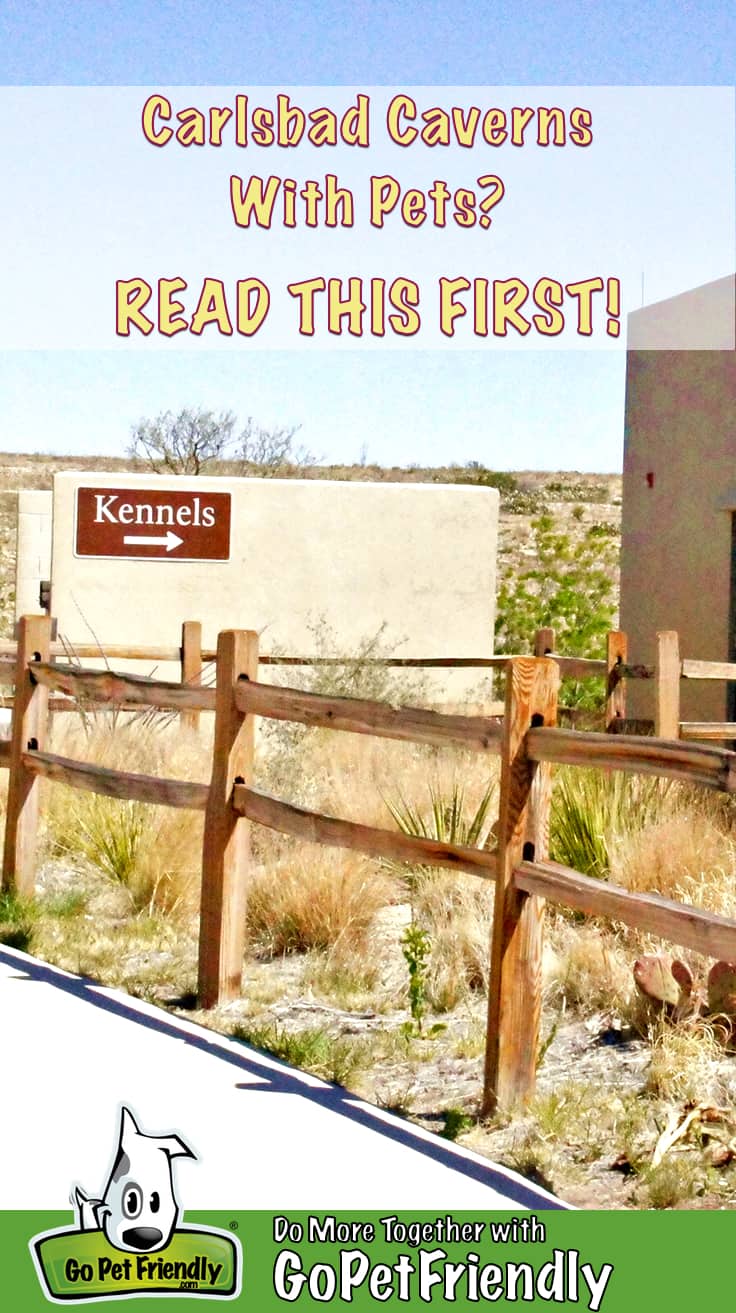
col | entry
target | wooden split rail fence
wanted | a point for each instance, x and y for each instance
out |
(527, 741)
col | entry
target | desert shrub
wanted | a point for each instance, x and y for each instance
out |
(313, 898)
(448, 818)
(153, 853)
(588, 969)
(457, 912)
(283, 764)
(516, 498)
(576, 492)
(198, 439)
(685, 855)
(17, 917)
(570, 588)
(593, 809)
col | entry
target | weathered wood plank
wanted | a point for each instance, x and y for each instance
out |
(30, 717)
(704, 932)
(708, 670)
(117, 783)
(225, 849)
(617, 645)
(578, 667)
(707, 729)
(544, 642)
(191, 666)
(99, 651)
(109, 686)
(515, 985)
(389, 845)
(359, 716)
(715, 768)
(667, 692)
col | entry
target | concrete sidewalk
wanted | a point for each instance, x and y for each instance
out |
(265, 1135)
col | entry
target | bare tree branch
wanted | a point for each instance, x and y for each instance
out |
(194, 439)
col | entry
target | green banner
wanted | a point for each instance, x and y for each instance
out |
(81, 1265)
(617, 1262)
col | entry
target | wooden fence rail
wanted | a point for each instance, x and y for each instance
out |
(360, 716)
(528, 743)
(386, 845)
(104, 686)
(117, 783)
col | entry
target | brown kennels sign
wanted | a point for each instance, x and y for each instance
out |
(152, 524)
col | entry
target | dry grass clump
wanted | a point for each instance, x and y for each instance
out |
(588, 967)
(685, 1062)
(686, 856)
(652, 837)
(151, 745)
(348, 978)
(315, 898)
(675, 1181)
(154, 853)
(456, 911)
(349, 775)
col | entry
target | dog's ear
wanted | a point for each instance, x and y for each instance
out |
(175, 1147)
(128, 1125)
(90, 1210)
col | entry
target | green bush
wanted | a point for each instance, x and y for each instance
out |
(570, 588)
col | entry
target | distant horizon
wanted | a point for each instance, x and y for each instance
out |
(317, 464)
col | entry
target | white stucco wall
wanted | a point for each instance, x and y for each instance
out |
(33, 558)
(418, 559)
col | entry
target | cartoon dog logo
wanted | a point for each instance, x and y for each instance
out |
(138, 1210)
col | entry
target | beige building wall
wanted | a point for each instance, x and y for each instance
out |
(680, 438)
(418, 559)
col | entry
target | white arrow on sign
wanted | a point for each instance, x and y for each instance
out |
(169, 540)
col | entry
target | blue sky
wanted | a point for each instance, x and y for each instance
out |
(509, 410)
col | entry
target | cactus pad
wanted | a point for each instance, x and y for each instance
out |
(722, 989)
(654, 977)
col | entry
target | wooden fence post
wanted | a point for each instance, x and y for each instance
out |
(225, 846)
(515, 986)
(191, 666)
(544, 642)
(30, 708)
(667, 690)
(617, 648)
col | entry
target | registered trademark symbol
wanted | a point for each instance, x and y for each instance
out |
(233, 1226)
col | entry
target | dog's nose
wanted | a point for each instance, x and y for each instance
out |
(142, 1237)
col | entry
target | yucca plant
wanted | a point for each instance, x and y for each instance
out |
(448, 819)
(592, 808)
(108, 832)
